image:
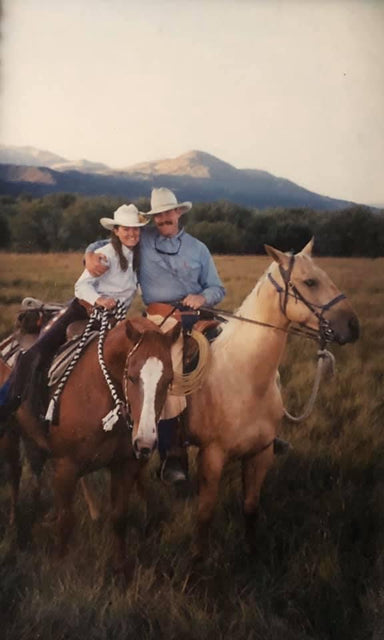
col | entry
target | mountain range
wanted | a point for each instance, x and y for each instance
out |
(196, 175)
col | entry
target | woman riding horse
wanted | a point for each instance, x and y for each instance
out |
(119, 283)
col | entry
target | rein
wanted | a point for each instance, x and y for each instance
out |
(113, 416)
(221, 314)
(125, 379)
(325, 362)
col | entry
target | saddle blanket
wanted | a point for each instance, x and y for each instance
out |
(64, 356)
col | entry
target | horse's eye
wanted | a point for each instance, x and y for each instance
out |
(133, 379)
(310, 282)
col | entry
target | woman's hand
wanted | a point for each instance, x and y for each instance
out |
(106, 303)
(96, 263)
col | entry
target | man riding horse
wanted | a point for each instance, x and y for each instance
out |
(174, 267)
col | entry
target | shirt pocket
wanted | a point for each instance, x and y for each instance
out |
(189, 269)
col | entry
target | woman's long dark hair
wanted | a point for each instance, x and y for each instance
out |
(117, 245)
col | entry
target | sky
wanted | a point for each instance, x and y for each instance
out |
(293, 87)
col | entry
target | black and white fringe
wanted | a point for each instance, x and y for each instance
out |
(98, 314)
(113, 416)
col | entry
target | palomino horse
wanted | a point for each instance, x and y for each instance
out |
(137, 357)
(238, 410)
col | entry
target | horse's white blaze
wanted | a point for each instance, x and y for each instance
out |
(150, 375)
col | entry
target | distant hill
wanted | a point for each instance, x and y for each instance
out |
(28, 156)
(195, 164)
(196, 176)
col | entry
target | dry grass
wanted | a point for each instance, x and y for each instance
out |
(319, 570)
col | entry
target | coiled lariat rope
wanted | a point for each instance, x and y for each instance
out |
(105, 316)
(186, 383)
(325, 364)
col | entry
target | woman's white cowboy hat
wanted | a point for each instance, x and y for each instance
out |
(126, 216)
(163, 199)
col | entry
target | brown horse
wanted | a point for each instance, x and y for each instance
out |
(137, 357)
(31, 318)
(237, 411)
(10, 450)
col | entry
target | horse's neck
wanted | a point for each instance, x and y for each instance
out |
(252, 345)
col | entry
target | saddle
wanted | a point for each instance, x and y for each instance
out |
(200, 321)
(63, 357)
(31, 317)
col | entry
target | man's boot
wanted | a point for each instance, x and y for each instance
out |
(173, 455)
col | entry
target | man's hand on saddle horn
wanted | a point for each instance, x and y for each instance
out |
(106, 303)
(194, 300)
(96, 263)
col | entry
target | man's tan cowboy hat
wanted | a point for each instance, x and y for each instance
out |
(163, 199)
(126, 216)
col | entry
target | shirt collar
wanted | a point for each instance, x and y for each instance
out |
(169, 243)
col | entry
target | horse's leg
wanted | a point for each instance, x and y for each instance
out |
(254, 470)
(90, 499)
(37, 458)
(123, 476)
(10, 446)
(64, 485)
(210, 466)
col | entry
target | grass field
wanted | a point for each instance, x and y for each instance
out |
(319, 570)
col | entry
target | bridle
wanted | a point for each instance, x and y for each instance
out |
(125, 378)
(325, 331)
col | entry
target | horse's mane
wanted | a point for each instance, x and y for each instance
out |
(141, 324)
(234, 326)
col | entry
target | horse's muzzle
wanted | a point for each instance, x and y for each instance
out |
(349, 331)
(142, 449)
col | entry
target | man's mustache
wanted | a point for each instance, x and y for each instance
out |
(166, 222)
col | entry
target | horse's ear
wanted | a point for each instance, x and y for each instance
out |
(131, 332)
(278, 256)
(308, 247)
(173, 334)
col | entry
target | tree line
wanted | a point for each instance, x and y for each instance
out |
(68, 222)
